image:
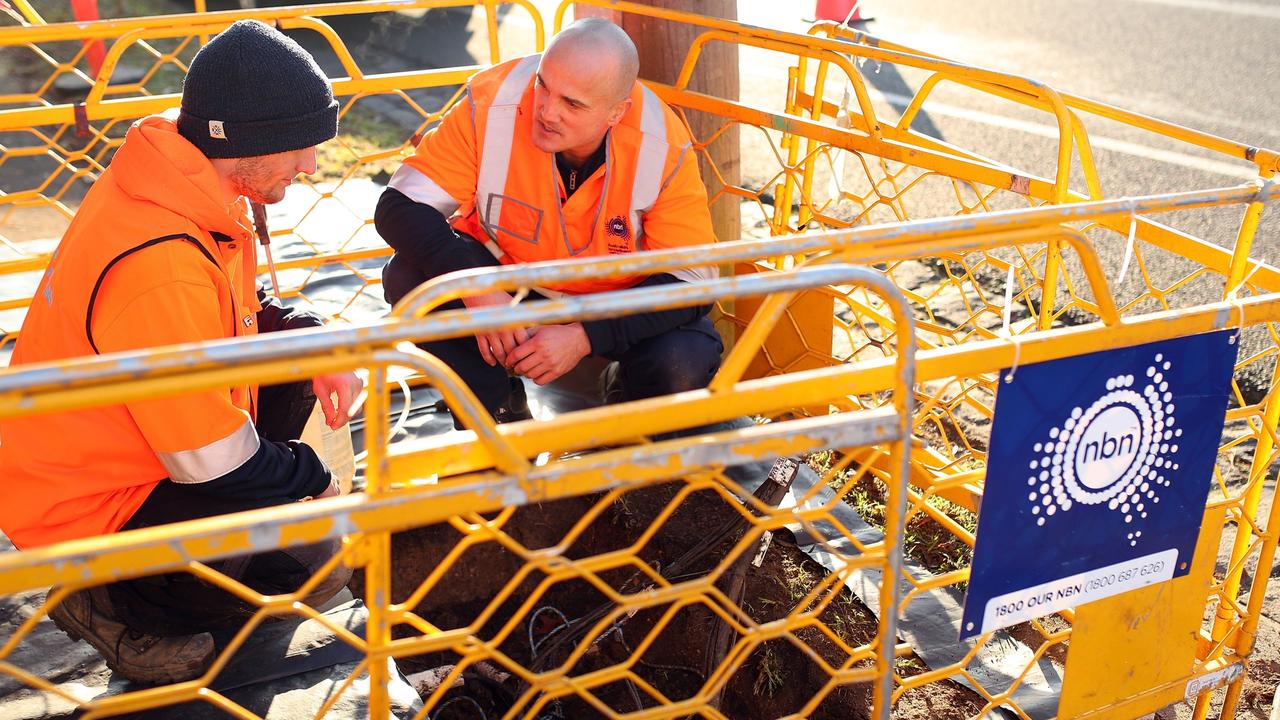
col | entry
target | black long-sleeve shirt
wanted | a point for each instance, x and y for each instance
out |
(421, 235)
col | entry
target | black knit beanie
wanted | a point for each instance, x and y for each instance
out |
(254, 91)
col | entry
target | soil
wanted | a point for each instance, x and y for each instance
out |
(776, 678)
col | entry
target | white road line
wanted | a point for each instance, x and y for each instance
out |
(1210, 165)
(1250, 9)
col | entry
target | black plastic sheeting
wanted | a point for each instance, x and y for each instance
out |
(931, 623)
(286, 669)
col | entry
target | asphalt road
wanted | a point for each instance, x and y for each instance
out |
(1209, 65)
(1206, 64)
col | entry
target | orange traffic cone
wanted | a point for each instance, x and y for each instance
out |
(841, 11)
(97, 51)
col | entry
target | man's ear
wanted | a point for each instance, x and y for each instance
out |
(619, 110)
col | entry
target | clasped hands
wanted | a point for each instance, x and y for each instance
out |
(541, 353)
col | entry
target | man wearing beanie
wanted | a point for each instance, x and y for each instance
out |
(163, 251)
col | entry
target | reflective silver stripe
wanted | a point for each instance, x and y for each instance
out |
(420, 188)
(499, 131)
(494, 250)
(694, 274)
(213, 460)
(497, 253)
(650, 162)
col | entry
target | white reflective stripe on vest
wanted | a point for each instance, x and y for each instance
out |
(213, 460)
(649, 165)
(499, 130)
(694, 274)
(421, 189)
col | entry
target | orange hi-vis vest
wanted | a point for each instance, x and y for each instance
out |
(481, 162)
(138, 267)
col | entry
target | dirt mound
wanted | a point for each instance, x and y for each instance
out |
(501, 580)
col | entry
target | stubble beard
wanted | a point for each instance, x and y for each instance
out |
(252, 178)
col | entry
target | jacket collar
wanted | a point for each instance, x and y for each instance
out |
(158, 165)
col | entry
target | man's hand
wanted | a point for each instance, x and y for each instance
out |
(496, 347)
(550, 352)
(332, 491)
(348, 390)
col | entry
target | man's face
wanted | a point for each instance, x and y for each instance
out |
(264, 178)
(574, 105)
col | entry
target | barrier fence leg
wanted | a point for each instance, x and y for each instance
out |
(377, 550)
(1049, 292)
(1258, 590)
(1244, 536)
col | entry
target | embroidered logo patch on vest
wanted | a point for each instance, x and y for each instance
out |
(617, 228)
(247, 320)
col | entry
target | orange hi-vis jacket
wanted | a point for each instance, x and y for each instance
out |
(481, 162)
(138, 267)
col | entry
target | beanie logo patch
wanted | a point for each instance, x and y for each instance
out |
(216, 131)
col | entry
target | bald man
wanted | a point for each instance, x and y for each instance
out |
(547, 157)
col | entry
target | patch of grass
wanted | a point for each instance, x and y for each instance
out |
(908, 666)
(365, 123)
(932, 544)
(361, 133)
(770, 675)
(821, 462)
(924, 539)
(866, 497)
(795, 579)
(848, 619)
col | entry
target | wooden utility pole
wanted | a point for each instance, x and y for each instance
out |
(663, 46)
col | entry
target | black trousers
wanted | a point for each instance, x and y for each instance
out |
(182, 604)
(684, 358)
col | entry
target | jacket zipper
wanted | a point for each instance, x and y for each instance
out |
(573, 180)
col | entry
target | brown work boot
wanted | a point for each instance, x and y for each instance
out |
(142, 658)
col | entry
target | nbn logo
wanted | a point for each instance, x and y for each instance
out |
(1108, 438)
(1110, 447)
(1116, 451)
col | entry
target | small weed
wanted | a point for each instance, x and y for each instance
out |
(908, 665)
(924, 540)
(822, 461)
(770, 675)
(795, 579)
(624, 514)
(935, 546)
(840, 625)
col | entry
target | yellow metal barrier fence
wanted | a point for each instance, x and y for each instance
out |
(999, 287)
(397, 499)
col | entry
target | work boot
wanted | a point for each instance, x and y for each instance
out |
(145, 659)
(516, 406)
(513, 409)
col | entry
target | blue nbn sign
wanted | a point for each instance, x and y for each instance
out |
(1097, 476)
